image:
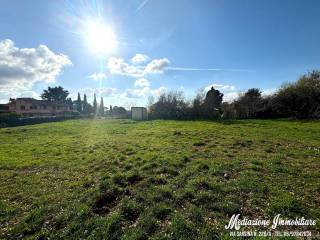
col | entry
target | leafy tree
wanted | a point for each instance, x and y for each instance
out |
(212, 103)
(70, 103)
(228, 110)
(150, 101)
(249, 104)
(119, 110)
(101, 107)
(300, 99)
(169, 106)
(55, 94)
(197, 105)
(79, 104)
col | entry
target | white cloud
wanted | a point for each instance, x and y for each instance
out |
(139, 58)
(21, 68)
(230, 96)
(98, 76)
(229, 91)
(106, 91)
(221, 87)
(143, 92)
(158, 91)
(270, 91)
(142, 85)
(157, 65)
(119, 66)
(142, 82)
(136, 93)
(5, 95)
(100, 92)
(129, 104)
(116, 65)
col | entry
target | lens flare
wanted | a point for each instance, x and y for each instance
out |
(100, 38)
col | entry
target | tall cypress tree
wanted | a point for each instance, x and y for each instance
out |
(101, 107)
(95, 105)
(110, 110)
(79, 104)
(85, 104)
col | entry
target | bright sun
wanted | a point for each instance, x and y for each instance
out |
(101, 39)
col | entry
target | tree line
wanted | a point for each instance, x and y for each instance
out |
(82, 106)
(300, 100)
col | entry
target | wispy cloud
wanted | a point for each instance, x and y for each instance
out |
(142, 5)
(210, 69)
(155, 66)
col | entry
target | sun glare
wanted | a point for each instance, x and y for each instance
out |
(101, 39)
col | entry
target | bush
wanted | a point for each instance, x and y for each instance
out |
(8, 119)
(249, 104)
(300, 99)
(172, 105)
(14, 119)
(169, 106)
(8, 116)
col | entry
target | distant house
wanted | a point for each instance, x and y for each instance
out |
(33, 107)
(139, 113)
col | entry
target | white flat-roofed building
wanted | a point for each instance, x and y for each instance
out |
(139, 113)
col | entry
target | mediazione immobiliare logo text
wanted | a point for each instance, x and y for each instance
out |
(235, 223)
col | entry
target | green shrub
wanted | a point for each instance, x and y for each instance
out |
(8, 119)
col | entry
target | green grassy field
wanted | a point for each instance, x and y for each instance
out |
(119, 179)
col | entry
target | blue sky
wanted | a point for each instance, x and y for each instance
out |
(179, 45)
